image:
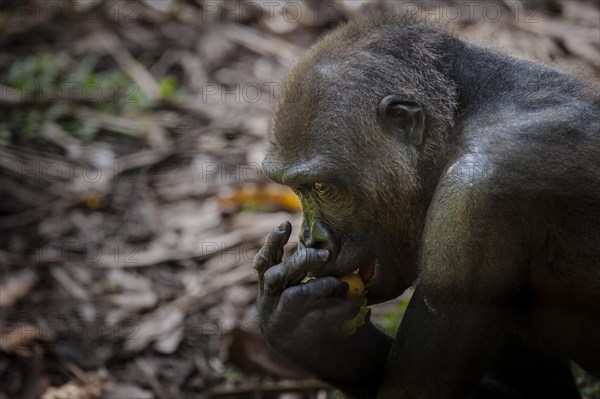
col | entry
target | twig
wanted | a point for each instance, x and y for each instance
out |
(70, 285)
(149, 328)
(28, 216)
(152, 380)
(286, 53)
(282, 386)
(161, 254)
(138, 73)
(117, 124)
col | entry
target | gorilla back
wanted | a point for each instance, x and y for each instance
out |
(467, 173)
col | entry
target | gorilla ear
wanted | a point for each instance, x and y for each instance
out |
(402, 118)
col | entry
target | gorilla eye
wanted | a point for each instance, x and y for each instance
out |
(321, 188)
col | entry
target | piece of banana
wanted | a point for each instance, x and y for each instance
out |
(356, 294)
(356, 289)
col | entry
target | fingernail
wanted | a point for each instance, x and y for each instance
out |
(282, 226)
(323, 254)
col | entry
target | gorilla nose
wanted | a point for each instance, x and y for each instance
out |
(317, 236)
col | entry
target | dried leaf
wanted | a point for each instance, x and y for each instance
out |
(126, 391)
(18, 337)
(16, 286)
(251, 353)
(89, 387)
(163, 321)
(264, 197)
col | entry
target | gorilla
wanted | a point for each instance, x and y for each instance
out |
(470, 175)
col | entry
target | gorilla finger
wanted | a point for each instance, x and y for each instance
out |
(294, 298)
(288, 305)
(274, 279)
(325, 287)
(294, 269)
(260, 262)
(333, 314)
(289, 249)
(277, 238)
(272, 250)
(301, 262)
(313, 292)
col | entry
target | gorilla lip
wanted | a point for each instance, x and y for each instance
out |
(367, 271)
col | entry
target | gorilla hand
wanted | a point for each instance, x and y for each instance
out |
(295, 316)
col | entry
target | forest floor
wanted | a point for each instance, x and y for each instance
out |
(133, 202)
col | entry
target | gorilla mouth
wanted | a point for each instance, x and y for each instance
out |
(367, 271)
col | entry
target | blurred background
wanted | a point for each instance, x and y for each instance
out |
(131, 197)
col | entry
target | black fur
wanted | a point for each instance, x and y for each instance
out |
(494, 218)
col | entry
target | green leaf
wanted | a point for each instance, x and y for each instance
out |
(168, 85)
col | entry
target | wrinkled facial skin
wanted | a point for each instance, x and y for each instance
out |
(360, 195)
(352, 223)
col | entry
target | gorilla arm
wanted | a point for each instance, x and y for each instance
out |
(354, 364)
(472, 268)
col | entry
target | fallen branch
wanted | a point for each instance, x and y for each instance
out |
(123, 57)
(279, 387)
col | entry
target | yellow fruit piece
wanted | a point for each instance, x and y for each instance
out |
(349, 327)
(356, 289)
(356, 294)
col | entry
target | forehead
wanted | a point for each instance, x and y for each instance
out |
(322, 104)
(298, 120)
(329, 102)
